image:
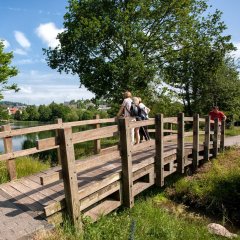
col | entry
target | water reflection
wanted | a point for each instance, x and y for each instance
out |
(23, 141)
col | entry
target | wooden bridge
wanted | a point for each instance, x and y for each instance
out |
(113, 176)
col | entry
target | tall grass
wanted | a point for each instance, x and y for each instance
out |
(215, 188)
(147, 220)
(232, 131)
(25, 166)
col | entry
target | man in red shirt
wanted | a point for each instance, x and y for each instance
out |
(215, 113)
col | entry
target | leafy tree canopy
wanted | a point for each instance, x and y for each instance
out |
(6, 71)
(118, 45)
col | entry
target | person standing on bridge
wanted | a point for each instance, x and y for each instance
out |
(215, 113)
(125, 110)
(126, 105)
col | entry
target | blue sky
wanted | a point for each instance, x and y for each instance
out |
(27, 26)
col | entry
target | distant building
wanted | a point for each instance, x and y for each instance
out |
(103, 107)
(69, 104)
(13, 110)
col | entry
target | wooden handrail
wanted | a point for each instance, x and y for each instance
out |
(170, 120)
(23, 131)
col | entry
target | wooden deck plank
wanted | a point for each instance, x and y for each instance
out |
(31, 193)
(22, 200)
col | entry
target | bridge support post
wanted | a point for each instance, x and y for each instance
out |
(215, 138)
(180, 144)
(159, 159)
(222, 140)
(8, 147)
(97, 142)
(58, 121)
(126, 157)
(70, 176)
(195, 151)
(207, 138)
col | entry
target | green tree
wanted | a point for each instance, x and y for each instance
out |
(6, 71)
(72, 116)
(33, 114)
(17, 115)
(24, 115)
(3, 113)
(166, 102)
(45, 113)
(59, 111)
(194, 73)
(117, 45)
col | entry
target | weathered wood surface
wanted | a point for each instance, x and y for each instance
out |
(113, 176)
(95, 182)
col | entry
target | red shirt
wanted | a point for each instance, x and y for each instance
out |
(219, 115)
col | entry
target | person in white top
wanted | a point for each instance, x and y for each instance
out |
(125, 110)
(126, 105)
(143, 107)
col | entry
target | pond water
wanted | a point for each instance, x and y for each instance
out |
(20, 141)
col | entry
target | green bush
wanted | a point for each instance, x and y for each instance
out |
(215, 188)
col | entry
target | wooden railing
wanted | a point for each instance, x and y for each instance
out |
(164, 163)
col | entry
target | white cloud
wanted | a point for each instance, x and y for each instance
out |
(43, 88)
(48, 33)
(45, 94)
(236, 54)
(6, 43)
(21, 39)
(24, 61)
(19, 51)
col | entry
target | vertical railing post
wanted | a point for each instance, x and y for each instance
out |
(58, 121)
(180, 144)
(215, 138)
(97, 142)
(195, 141)
(8, 147)
(70, 176)
(126, 157)
(222, 140)
(159, 159)
(207, 138)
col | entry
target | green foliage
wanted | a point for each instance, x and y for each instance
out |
(6, 71)
(202, 73)
(165, 104)
(33, 114)
(232, 131)
(215, 188)
(150, 221)
(24, 115)
(25, 166)
(119, 45)
(3, 113)
(3, 172)
(45, 113)
(48, 113)
(17, 115)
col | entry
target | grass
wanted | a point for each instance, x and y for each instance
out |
(214, 189)
(149, 219)
(233, 131)
(25, 166)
